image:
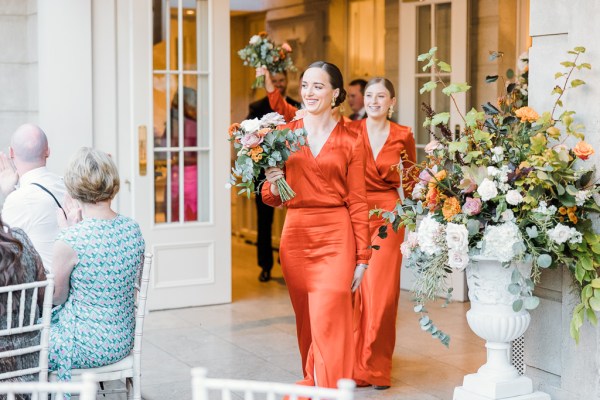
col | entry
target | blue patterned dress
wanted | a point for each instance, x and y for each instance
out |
(95, 326)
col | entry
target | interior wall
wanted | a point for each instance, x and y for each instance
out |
(18, 67)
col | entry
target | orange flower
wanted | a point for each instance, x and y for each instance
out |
(440, 176)
(527, 114)
(263, 132)
(255, 153)
(562, 211)
(432, 198)
(451, 208)
(583, 150)
(233, 128)
(263, 34)
(573, 217)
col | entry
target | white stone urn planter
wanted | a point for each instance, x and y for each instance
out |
(492, 318)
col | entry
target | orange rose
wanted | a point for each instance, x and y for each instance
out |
(440, 176)
(583, 150)
(255, 153)
(432, 198)
(451, 208)
(233, 128)
(527, 114)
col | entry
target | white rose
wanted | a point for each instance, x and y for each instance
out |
(457, 237)
(513, 197)
(250, 125)
(487, 190)
(458, 260)
(560, 233)
(428, 235)
(497, 154)
(581, 197)
(508, 215)
(255, 39)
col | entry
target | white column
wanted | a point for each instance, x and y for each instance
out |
(65, 77)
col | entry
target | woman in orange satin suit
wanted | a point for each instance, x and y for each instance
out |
(325, 241)
(387, 144)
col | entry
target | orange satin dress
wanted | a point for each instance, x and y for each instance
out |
(376, 301)
(326, 233)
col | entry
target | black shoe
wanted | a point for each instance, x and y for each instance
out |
(380, 387)
(265, 276)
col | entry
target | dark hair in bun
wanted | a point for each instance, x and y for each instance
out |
(335, 78)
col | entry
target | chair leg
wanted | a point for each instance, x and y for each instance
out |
(137, 387)
(102, 388)
(129, 387)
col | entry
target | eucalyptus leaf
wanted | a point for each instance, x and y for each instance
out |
(514, 288)
(517, 305)
(544, 261)
(531, 303)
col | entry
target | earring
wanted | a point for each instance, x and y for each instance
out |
(391, 112)
(333, 99)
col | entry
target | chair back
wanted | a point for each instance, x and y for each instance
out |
(28, 323)
(202, 387)
(85, 389)
(142, 282)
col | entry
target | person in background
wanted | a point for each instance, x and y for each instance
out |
(387, 145)
(33, 193)
(96, 259)
(19, 263)
(325, 244)
(356, 92)
(264, 214)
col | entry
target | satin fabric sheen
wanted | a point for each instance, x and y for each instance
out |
(376, 301)
(326, 233)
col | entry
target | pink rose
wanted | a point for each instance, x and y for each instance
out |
(467, 185)
(472, 206)
(432, 146)
(426, 175)
(251, 140)
(286, 47)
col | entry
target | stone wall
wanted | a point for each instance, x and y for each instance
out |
(18, 66)
(557, 365)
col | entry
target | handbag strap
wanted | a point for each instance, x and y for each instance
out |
(50, 193)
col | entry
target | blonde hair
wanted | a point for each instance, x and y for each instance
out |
(92, 176)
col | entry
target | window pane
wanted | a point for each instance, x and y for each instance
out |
(204, 173)
(164, 90)
(190, 129)
(165, 176)
(190, 46)
(421, 133)
(423, 32)
(202, 40)
(443, 37)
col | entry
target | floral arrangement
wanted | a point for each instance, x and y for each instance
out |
(261, 146)
(261, 53)
(512, 186)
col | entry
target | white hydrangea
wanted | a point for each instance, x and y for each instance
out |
(508, 215)
(499, 241)
(428, 235)
(457, 237)
(255, 39)
(513, 197)
(561, 234)
(458, 260)
(581, 197)
(487, 190)
(543, 208)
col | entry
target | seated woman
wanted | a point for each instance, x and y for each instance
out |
(19, 263)
(96, 258)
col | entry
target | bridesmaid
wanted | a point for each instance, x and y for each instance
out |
(376, 302)
(325, 241)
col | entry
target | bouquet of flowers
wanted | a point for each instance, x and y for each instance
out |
(513, 186)
(261, 146)
(261, 53)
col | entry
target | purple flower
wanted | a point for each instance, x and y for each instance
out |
(472, 206)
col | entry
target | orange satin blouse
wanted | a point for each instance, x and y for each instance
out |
(335, 178)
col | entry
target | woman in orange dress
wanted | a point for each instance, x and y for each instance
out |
(387, 144)
(325, 241)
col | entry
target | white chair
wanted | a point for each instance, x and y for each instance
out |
(256, 390)
(86, 389)
(130, 367)
(28, 323)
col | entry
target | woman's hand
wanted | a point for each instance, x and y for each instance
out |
(274, 174)
(73, 213)
(359, 272)
(269, 87)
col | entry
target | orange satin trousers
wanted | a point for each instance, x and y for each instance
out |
(376, 301)
(318, 258)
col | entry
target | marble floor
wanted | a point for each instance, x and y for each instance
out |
(254, 338)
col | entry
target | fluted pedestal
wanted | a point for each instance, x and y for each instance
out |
(492, 318)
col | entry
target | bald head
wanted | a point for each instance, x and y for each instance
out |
(29, 147)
